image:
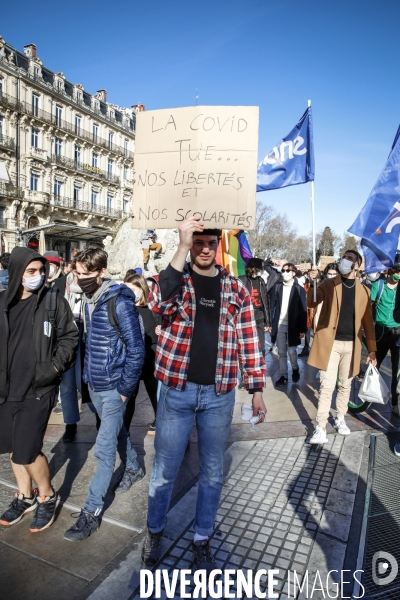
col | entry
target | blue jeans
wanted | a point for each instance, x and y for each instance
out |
(112, 436)
(176, 413)
(71, 384)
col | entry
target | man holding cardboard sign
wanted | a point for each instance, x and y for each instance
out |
(208, 327)
(196, 161)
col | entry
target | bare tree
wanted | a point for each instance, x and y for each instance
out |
(273, 233)
(348, 242)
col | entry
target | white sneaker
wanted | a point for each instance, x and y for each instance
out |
(319, 436)
(340, 425)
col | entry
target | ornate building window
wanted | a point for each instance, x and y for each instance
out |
(58, 115)
(77, 154)
(58, 187)
(93, 200)
(34, 181)
(58, 147)
(77, 124)
(35, 105)
(34, 138)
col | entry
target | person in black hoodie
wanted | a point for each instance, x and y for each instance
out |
(258, 291)
(39, 340)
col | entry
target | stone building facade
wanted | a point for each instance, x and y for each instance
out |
(66, 158)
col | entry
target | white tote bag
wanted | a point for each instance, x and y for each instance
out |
(374, 388)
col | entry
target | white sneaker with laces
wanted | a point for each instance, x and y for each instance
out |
(319, 436)
(340, 425)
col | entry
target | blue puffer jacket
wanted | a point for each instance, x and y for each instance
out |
(109, 363)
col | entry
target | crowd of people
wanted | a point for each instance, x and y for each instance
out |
(192, 333)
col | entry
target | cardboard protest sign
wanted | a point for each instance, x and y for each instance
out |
(199, 160)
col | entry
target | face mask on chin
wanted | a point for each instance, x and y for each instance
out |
(32, 284)
(345, 266)
(89, 285)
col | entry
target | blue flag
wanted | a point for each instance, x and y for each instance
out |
(378, 224)
(291, 161)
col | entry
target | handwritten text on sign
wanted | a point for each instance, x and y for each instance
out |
(199, 160)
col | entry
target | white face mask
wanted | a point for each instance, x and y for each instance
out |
(287, 276)
(31, 284)
(330, 276)
(373, 276)
(301, 280)
(279, 269)
(345, 266)
(52, 270)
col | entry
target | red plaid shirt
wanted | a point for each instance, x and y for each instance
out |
(238, 339)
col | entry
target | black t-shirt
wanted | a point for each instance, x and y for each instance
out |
(345, 331)
(21, 352)
(204, 347)
(256, 292)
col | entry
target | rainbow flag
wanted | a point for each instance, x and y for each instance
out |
(234, 251)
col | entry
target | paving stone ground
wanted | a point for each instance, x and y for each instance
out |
(284, 505)
(274, 506)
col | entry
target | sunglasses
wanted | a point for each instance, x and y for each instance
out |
(286, 270)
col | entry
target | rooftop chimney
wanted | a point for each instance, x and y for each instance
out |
(102, 94)
(30, 50)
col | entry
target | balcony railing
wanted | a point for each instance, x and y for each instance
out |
(96, 140)
(79, 102)
(74, 165)
(87, 207)
(7, 142)
(35, 196)
(9, 101)
(11, 191)
(38, 153)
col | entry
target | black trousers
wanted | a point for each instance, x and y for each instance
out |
(386, 339)
(260, 322)
(151, 386)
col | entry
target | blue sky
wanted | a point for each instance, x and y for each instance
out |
(342, 55)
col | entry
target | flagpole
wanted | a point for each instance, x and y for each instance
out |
(313, 229)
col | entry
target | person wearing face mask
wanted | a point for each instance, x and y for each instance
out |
(71, 382)
(384, 294)
(55, 270)
(288, 316)
(114, 356)
(258, 292)
(370, 279)
(151, 322)
(38, 344)
(336, 349)
(331, 270)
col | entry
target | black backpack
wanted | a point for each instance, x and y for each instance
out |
(112, 317)
(51, 304)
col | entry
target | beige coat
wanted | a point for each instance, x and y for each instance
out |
(330, 293)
